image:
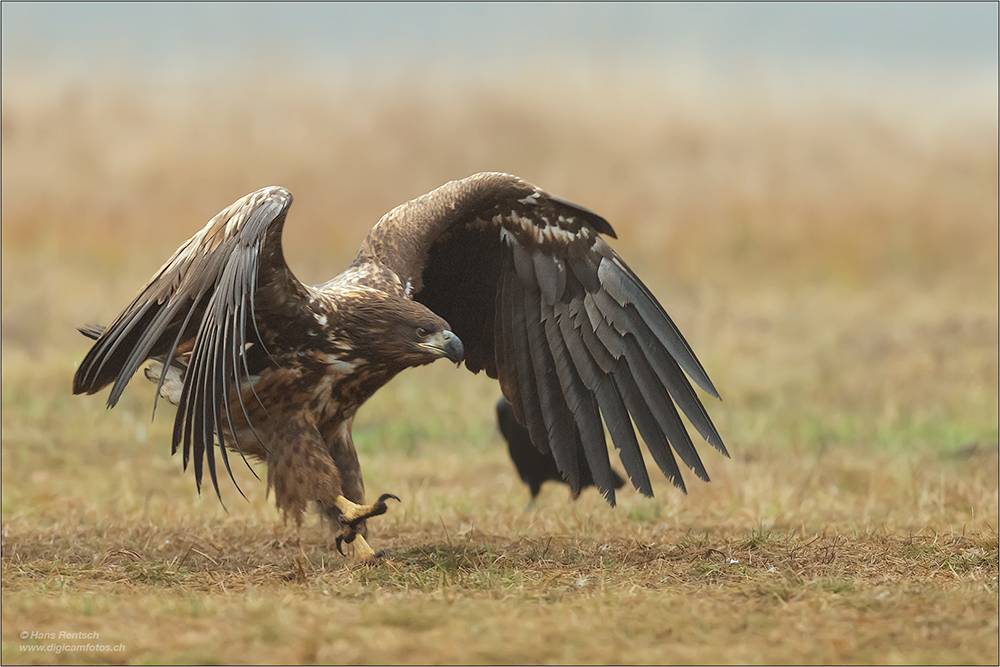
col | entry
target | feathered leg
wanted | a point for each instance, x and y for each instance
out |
(349, 512)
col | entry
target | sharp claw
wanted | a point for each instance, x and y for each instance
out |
(380, 553)
(341, 540)
(350, 525)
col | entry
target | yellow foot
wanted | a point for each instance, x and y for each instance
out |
(363, 553)
(350, 517)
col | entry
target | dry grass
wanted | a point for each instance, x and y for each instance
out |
(833, 260)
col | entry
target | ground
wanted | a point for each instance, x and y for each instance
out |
(832, 260)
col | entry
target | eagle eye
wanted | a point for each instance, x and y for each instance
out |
(422, 332)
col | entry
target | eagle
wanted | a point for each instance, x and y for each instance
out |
(488, 270)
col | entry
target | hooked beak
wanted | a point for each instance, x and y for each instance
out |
(446, 344)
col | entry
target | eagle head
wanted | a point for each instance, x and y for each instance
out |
(403, 333)
(418, 336)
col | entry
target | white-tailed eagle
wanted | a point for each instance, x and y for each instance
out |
(489, 270)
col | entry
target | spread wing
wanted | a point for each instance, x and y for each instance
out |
(211, 300)
(542, 303)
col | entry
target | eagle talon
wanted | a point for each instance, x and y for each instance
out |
(341, 540)
(363, 553)
(350, 516)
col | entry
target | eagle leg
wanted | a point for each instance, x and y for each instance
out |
(363, 553)
(351, 515)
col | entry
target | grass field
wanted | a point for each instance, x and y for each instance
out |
(831, 257)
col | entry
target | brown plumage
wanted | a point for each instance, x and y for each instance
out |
(261, 364)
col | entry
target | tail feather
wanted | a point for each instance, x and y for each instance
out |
(171, 387)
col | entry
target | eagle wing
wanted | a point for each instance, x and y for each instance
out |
(544, 304)
(205, 303)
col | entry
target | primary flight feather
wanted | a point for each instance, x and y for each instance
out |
(489, 270)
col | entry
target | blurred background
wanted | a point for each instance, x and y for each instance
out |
(811, 190)
(154, 38)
